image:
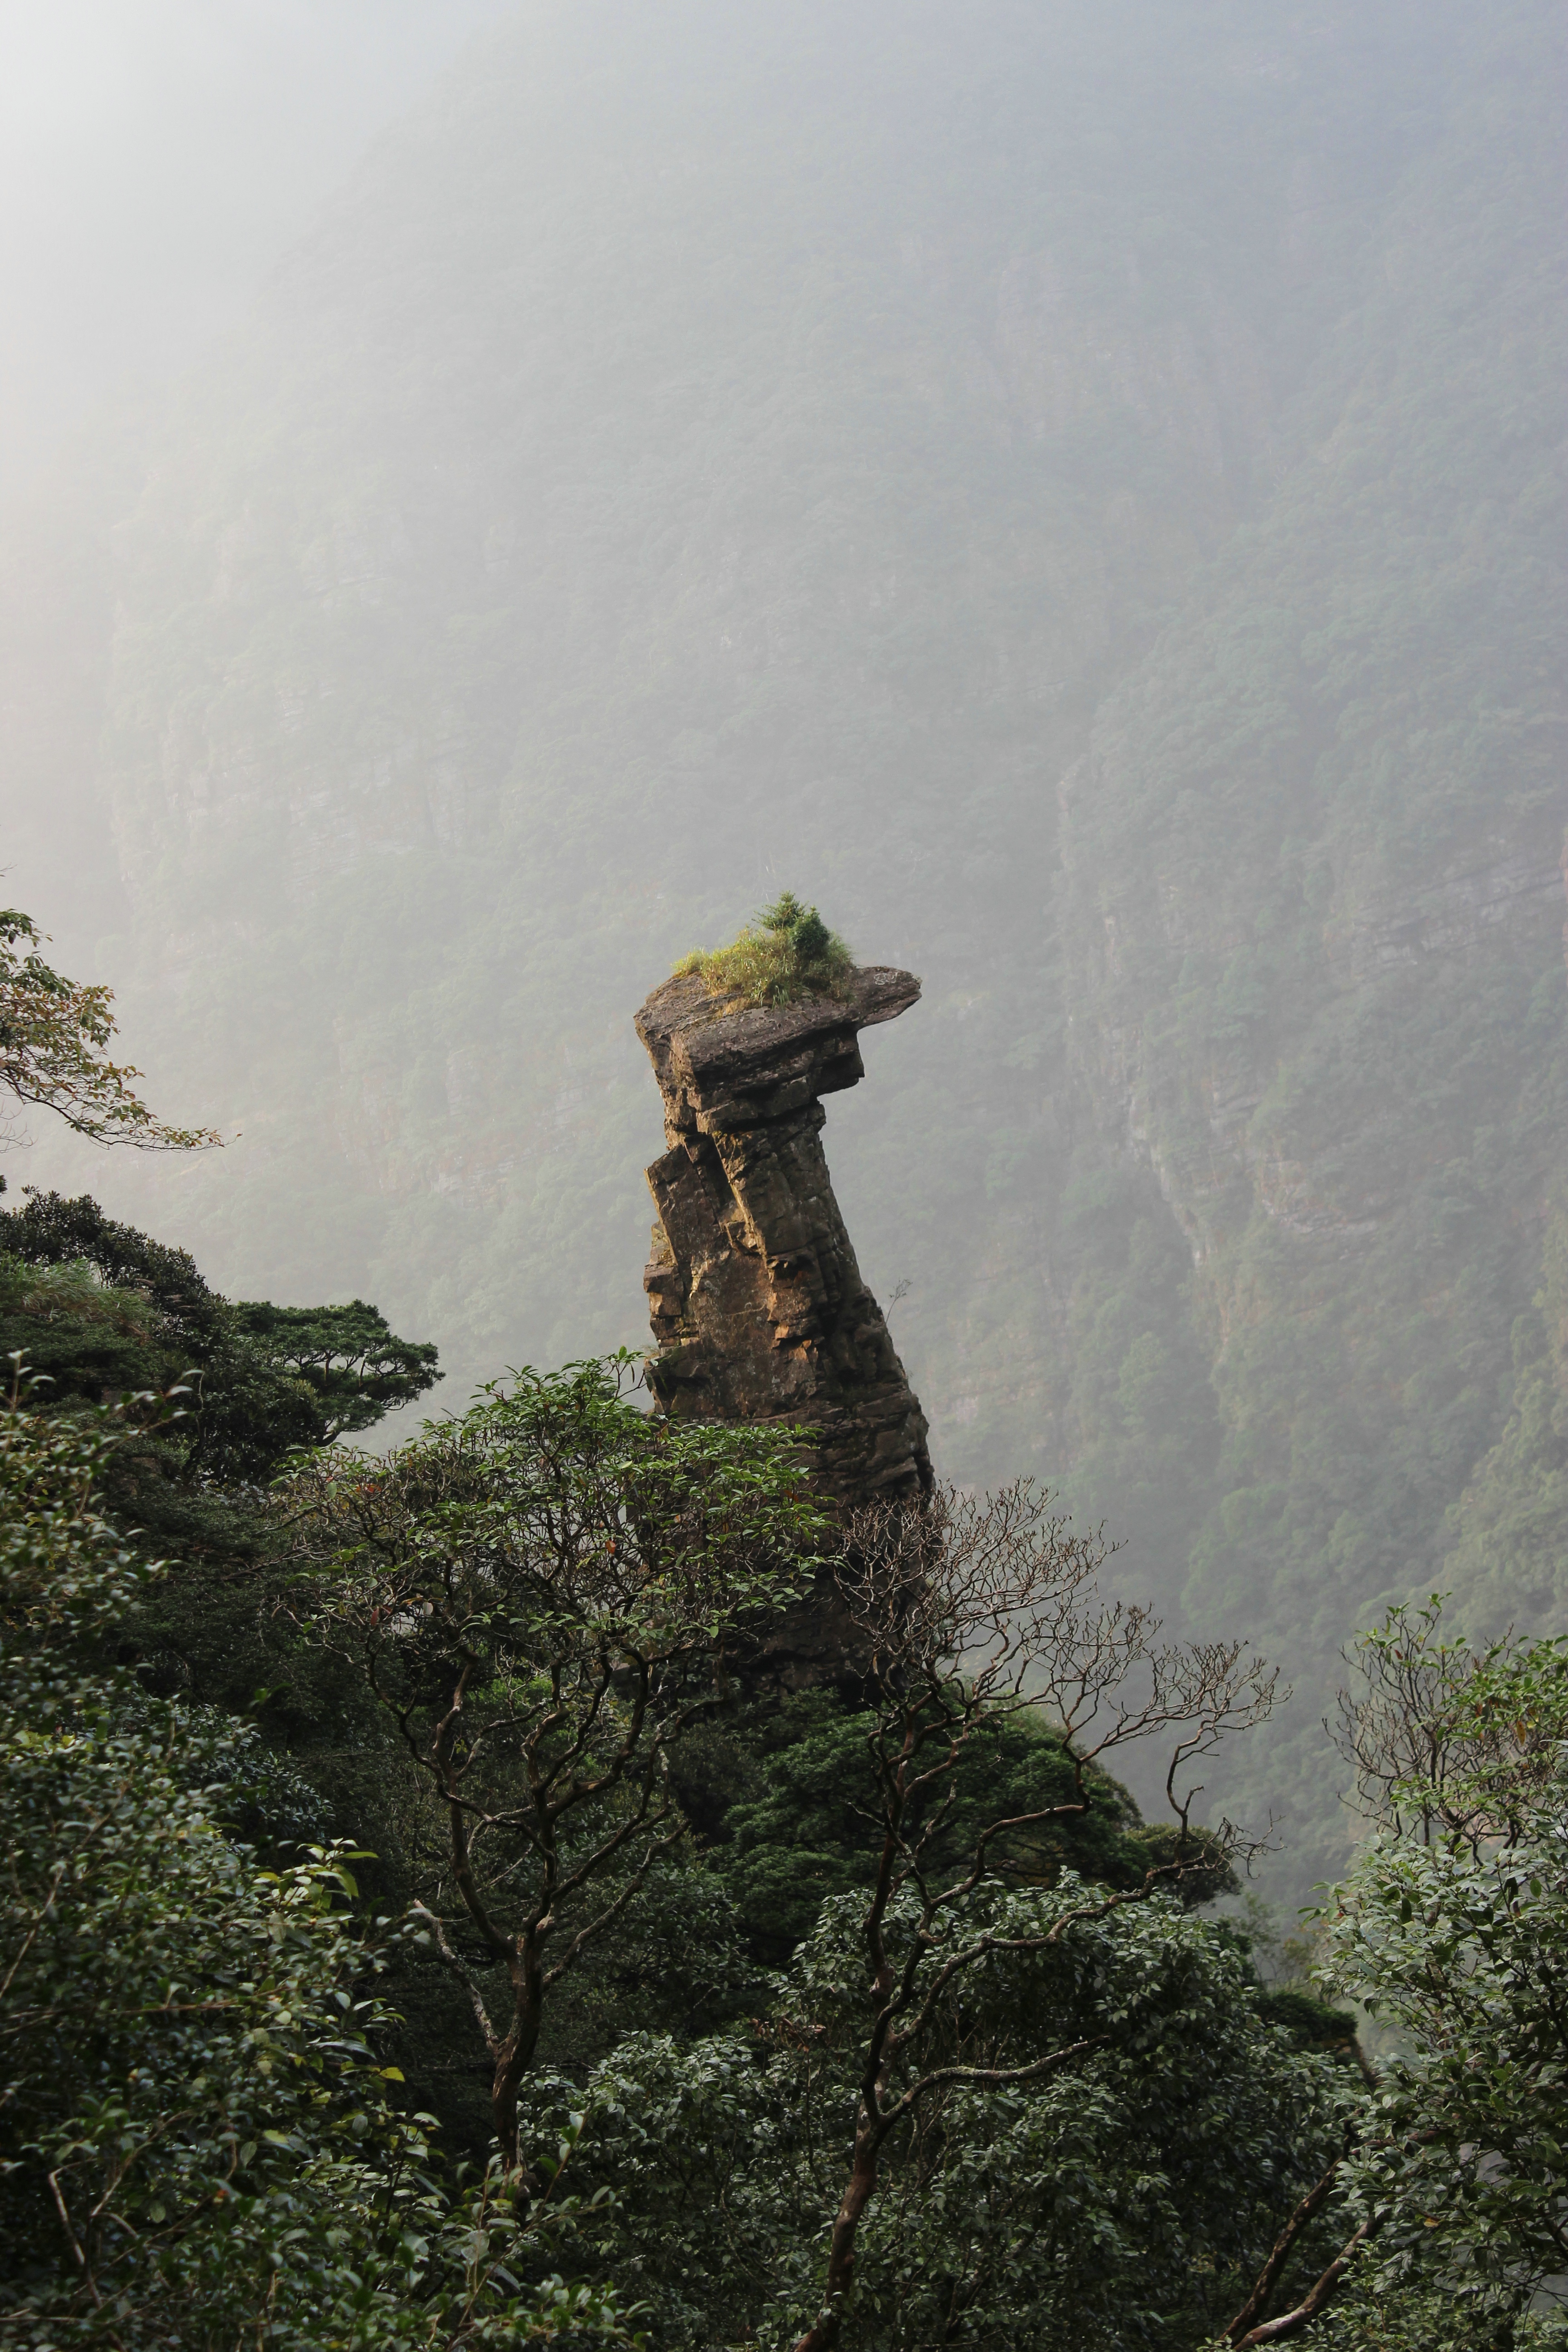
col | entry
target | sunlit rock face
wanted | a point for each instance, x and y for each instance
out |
(759, 1310)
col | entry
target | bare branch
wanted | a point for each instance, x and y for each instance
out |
(1272, 2331)
(463, 1974)
(1257, 2302)
(612, 1911)
(76, 2254)
(995, 2078)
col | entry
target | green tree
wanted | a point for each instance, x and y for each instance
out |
(1453, 1745)
(200, 2145)
(544, 1595)
(54, 1040)
(798, 1835)
(969, 1612)
(1457, 2186)
(101, 1309)
(1452, 1934)
(1108, 2137)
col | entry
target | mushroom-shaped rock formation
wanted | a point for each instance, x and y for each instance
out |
(759, 1310)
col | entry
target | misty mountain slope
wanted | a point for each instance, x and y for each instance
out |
(1075, 490)
(1320, 939)
(1507, 1562)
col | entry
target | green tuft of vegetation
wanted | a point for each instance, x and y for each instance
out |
(785, 953)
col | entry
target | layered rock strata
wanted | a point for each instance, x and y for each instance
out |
(759, 1310)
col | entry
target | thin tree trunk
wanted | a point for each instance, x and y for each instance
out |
(870, 2131)
(1256, 2303)
(822, 2333)
(1274, 2330)
(515, 2055)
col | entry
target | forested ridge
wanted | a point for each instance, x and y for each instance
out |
(1074, 493)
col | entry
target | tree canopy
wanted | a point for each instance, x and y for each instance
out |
(202, 2142)
(101, 1309)
(544, 1595)
(54, 1040)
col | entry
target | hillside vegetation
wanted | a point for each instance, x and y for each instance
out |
(1075, 489)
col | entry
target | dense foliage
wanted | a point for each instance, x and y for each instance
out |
(200, 2082)
(1461, 1957)
(545, 1596)
(1087, 2114)
(102, 1311)
(1123, 2199)
(802, 1785)
(99, 1312)
(1452, 1934)
(199, 2145)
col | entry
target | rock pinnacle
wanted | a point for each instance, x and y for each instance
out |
(758, 1307)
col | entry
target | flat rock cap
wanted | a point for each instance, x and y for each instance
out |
(696, 1044)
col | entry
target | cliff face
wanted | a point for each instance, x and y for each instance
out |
(759, 1310)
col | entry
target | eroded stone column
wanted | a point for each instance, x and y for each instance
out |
(759, 1310)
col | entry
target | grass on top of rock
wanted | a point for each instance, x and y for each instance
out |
(784, 953)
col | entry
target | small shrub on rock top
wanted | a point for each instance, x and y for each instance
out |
(784, 954)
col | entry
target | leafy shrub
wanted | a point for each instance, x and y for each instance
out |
(201, 2147)
(785, 953)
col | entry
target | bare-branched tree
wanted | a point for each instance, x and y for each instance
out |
(968, 1612)
(1449, 1743)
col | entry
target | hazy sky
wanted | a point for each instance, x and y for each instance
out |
(157, 155)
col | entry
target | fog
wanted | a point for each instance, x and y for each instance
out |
(155, 157)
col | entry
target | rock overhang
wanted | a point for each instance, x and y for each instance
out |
(725, 1066)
